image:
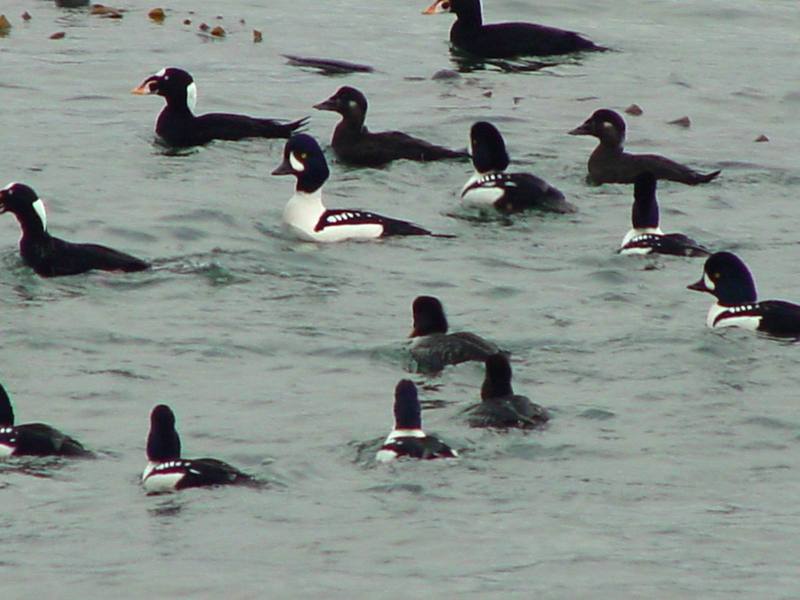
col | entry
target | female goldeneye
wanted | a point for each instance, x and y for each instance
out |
(507, 192)
(646, 236)
(505, 40)
(727, 278)
(306, 215)
(609, 163)
(355, 145)
(33, 439)
(407, 438)
(166, 471)
(500, 406)
(178, 126)
(50, 256)
(432, 348)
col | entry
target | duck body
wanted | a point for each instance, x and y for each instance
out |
(609, 163)
(507, 192)
(727, 278)
(506, 40)
(178, 126)
(308, 218)
(407, 439)
(50, 256)
(355, 145)
(646, 237)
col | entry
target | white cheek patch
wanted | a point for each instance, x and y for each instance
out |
(608, 126)
(191, 96)
(38, 206)
(707, 281)
(296, 164)
(352, 104)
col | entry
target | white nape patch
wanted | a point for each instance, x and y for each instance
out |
(401, 433)
(707, 281)
(6, 450)
(634, 233)
(191, 96)
(297, 165)
(385, 456)
(748, 322)
(162, 72)
(38, 206)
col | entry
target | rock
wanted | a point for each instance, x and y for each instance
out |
(58, 35)
(762, 138)
(682, 122)
(635, 110)
(5, 24)
(218, 31)
(26, 16)
(257, 37)
(107, 12)
(157, 15)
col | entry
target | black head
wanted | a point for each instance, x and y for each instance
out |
(303, 158)
(497, 382)
(163, 442)
(469, 10)
(428, 316)
(727, 277)
(605, 124)
(407, 411)
(25, 204)
(487, 148)
(6, 412)
(175, 85)
(348, 102)
(645, 205)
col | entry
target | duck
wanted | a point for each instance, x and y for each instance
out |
(177, 126)
(33, 439)
(167, 471)
(609, 163)
(308, 218)
(50, 256)
(432, 348)
(727, 278)
(500, 407)
(355, 145)
(490, 185)
(407, 439)
(506, 40)
(646, 236)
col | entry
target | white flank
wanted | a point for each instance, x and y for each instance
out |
(6, 451)
(749, 322)
(636, 233)
(38, 206)
(157, 482)
(191, 96)
(481, 194)
(303, 211)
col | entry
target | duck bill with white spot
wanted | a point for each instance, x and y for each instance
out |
(331, 104)
(437, 8)
(147, 87)
(285, 168)
(700, 286)
(585, 128)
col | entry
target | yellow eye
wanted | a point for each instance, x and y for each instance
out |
(304, 155)
(715, 275)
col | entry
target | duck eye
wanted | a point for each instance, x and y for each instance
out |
(445, 5)
(715, 275)
(304, 155)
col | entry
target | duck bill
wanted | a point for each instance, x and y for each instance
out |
(699, 286)
(435, 9)
(329, 104)
(143, 89)
(584, 129)
(284, 169)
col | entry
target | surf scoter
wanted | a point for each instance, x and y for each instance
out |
(50, 256)
(646, 236)
(609, 163)
(166, 471)
(505, 40)
(177, 126)
(307, 216)
(507, 192)
(354, 144)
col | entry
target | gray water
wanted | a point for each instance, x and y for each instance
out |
(670, 468)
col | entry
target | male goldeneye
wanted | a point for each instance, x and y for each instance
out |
(507, 192)
(500, 406)
(505, 40)
(166, 471)
(178, 126)
(354, 144)
(50, 256)
(727, 278)
(33, 439)
(306, 215)
(432, 348)
(407, 438)
(609, 163)
(646, 236)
